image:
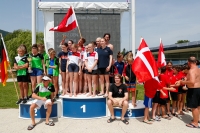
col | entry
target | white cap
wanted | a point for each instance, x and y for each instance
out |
(46, 78)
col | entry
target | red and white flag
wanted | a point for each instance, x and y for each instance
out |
(144, 65)
(68, 23)
(161, 56)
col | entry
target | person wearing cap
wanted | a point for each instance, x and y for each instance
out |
(43, 95)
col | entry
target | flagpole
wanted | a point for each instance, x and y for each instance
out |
(79, 32)
(9, 65)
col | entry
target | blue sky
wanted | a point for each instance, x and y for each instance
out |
(171, 20)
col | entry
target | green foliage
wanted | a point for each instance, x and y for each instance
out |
(182, 41)
(16, 38)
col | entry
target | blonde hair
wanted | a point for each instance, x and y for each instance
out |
(21, 48)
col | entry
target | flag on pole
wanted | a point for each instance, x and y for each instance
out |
(3, 61)
(68, 23)
(161, 56)
(144, 65)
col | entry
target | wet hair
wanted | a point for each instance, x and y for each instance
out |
(34, 46)
(163, 69)
(169, 62)
(192, 59)
(177, 67)
(186, 67)
(66, 44)
(94, 43)
(107, 34)
(119, 54)
(71, 41)
(83, 39)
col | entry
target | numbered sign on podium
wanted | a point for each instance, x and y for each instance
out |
(84, 107)
(132, 112)
(24, 111)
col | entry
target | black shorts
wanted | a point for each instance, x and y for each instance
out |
(102, 71)
(22, 78)
(84, 71)
(180, 90)
(94, 72)
(174, 96)
(193, 97)
(73, 68)
(163, 101)
(156, 98)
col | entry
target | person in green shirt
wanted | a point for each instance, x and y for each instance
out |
(52, 65)
(43, 95)
(21, 65)
(37, 66)
(41, 50)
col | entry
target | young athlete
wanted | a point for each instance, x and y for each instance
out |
(21, 65)
(104, 64)
(37, 66)
(119, 64)
(130, 79)
(53, 70)
(73, 68)
(63, 56)
(91, 59)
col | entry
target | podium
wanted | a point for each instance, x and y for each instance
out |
(83, 107)
(24, 110)
(132, 112)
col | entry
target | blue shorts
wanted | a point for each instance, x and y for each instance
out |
(148, 102)
(36, 72)
(73, 68)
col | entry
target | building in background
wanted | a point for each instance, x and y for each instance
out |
(179, 53)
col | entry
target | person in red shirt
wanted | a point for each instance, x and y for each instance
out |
(164, 95)
(181, 99)
(169, 73)
(150, 88)
(174, 94)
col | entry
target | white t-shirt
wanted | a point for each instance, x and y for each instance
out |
(74, 57)
(91, 57)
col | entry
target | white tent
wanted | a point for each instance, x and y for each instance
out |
(49, 8)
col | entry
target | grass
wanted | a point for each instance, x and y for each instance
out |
(8, 96)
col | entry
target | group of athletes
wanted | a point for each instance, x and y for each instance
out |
(92, 71)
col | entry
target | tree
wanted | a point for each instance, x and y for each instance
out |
(18, 37)
(182, 41)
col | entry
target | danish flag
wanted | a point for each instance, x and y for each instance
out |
(161, 56)
(144, 65)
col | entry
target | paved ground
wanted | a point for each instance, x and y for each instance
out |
(11, 123)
